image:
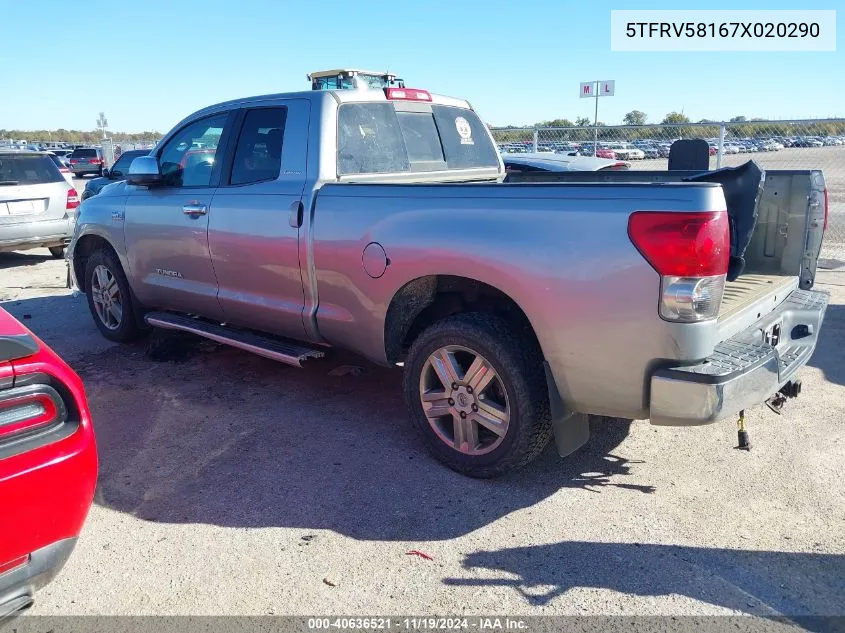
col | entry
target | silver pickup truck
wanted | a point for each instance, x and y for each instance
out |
(382, 222)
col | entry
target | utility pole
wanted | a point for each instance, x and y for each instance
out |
(102, 123)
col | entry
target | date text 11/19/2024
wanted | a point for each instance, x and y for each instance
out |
(418, 624)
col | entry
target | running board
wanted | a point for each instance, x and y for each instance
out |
(282, 351)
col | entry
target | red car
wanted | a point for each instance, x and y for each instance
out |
(48, 464)
(605, 153)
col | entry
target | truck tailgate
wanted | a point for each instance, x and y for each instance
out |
(748, 289)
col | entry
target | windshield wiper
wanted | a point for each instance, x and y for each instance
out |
(9, 182)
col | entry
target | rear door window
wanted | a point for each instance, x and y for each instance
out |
(258, 154)
(375, 138)
(28, 169)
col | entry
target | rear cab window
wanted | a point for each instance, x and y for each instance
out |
(28, 169)
(411, 137)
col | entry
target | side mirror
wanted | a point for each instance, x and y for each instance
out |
(106, 173)
(144, 171)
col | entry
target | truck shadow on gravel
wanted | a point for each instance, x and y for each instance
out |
(26, 258)
(801, 586)
(829, 355)
(230, 439)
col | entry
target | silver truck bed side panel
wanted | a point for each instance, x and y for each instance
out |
(562, 253)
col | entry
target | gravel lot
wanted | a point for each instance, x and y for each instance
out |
(230, 484)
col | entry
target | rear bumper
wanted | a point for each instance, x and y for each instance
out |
(86, 168)
(38, 233)
(18, 586)
(744, 370)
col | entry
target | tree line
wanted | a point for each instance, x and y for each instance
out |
(740, 127)
(75, 136)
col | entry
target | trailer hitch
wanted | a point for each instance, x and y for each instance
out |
(790, 390)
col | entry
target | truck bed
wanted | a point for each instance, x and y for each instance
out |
(749, 288)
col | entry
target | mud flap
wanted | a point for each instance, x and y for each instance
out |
(571, 429)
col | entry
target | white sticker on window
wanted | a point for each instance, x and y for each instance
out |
(464, 131)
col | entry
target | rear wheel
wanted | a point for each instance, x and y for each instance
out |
(476, 393)
(109, 297)
(57, 251)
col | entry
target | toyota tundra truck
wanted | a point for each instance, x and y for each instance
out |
(381, 221)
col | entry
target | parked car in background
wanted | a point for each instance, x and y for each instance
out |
(650, 151)
(62, 155)
(604, 152)
(731, 149)
(521, 163)
(87, 160)
(64, 170)
(37, 205)
(624, 151)
(48, 464)
(116, 173)
(515, 148)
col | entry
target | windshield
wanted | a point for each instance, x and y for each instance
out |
(380, 138)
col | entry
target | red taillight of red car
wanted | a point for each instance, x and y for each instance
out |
(29, 409)
(72, 199)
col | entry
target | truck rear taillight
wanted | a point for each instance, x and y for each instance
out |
(690, 252)
(72, 199)
(407, 94)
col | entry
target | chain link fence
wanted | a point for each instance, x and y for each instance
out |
(806, 144)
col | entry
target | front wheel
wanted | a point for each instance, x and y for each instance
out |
(476, 393)
(109, 297)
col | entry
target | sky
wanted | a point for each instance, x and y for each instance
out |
(150, 63)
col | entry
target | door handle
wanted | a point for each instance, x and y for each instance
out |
(295, 217)
(194, 209)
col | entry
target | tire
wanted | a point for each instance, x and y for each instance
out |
(119, 330)
(517, 387)
(57, 251)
